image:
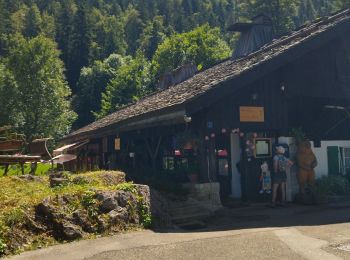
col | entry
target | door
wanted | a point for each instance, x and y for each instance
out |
(235, 159)
(333, 155)
(223, 164)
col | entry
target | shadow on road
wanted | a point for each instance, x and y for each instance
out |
(261, 216)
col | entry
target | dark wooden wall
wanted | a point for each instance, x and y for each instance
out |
(323, 73)
(225, 113)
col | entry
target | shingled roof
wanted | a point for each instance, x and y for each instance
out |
(209, 79)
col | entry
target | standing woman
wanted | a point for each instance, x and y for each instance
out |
(280, 165)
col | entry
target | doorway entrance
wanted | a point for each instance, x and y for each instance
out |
(236, 183)
(223, 164)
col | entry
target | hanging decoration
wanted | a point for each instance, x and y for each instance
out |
(235, 131)
(250, 146)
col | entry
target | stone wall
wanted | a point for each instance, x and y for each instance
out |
(207, 194)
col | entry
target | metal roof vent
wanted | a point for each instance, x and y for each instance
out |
(254, 35)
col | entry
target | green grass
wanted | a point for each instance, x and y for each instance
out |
(14, 170)
(18, 197)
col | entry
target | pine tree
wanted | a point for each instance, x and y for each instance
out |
(92, 83)
(64, 29)
(131, 82)
(153, 34)
(32, 22)
(78, 49)
(307, 12)
(133, 28)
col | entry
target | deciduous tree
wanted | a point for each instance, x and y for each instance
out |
(203, 46)
(42, 94)
(131, 82)
(92, 83)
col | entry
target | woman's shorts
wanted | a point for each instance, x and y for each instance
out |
(280, 177)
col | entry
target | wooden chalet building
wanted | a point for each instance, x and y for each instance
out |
(223, 122)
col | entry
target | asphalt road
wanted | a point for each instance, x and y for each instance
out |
(292, 233)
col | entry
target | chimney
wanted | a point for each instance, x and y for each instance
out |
(177, 76)
(254, 35)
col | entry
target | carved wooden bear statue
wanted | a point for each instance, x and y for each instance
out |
(306, 162)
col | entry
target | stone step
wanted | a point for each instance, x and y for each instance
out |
(185, 206)
(188, 211)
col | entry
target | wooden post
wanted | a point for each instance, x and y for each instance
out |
(204, 159)
(33, 168)
(153, 153)
(6, 169)
(212, 160)
(22, 167)
(243, 169)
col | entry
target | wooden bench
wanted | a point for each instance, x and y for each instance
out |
(10, 153)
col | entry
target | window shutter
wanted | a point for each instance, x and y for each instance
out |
(333, 160)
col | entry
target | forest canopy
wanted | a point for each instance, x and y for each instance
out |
(62, 60)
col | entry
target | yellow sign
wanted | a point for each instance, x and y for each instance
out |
(117, 144)
(252, 114)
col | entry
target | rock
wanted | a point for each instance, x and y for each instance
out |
(144, 191)
(160, 211)
(33, 225)
(103, 195)
(108, 205)
(71, 231)
(66, 199)
(118, 215)
(54, 182)
(126, 198)
(81, 180)
(59, 174)
(47, 212)
(29, 177)
(103, 224)
(81, 218)
(134, 217)
(108, 201)
(44, 209)
(112, 178)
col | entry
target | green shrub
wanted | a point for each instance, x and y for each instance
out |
(144, 213)
(14, 217)
(127, 186)
(330, 185)
(3, 247)
(89, 203)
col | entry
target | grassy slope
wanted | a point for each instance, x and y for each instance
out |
(18, 197)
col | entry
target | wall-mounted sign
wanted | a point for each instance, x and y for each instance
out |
(252, 114)
(117, 144)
